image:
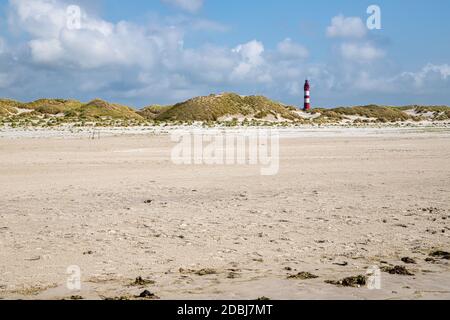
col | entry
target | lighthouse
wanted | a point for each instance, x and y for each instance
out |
(307, 97)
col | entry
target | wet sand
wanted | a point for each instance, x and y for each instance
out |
(119, 208)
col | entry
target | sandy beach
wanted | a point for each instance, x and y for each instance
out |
(343, 201)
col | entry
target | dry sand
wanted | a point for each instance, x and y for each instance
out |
(349, 197)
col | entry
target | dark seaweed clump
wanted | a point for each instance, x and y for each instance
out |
(400, 270)
(303, 276)
(355, 282)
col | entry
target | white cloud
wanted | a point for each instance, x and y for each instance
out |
(291, 50)
(129, 59)
(360, 52)
(207, 64)
(346, 27)
(430, 74)
(39, 18)
(46, 51)
(252, 62)
(355, 45)
(251, 52)
(188, 5)
(96, 44)
(377, 81)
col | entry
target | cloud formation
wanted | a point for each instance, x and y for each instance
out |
(354, 43)
(430, 73)
(346, 27)
(187, 5)
(97, 43)
(140, 64)
(136, 61)
(361, 52)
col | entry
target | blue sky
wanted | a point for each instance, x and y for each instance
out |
(163, 51)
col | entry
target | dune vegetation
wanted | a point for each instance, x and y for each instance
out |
(215, 107)
(227, 109)
(152, 112)
(55, 112)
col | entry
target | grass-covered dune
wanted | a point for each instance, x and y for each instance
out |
(383, 114)
(58, 111)
(152, 112)
(221, 108)
(75, 109)
(8, 107)
(215, 107)
(373, 112)
(376, 112)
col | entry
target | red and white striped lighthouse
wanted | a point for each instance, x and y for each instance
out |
(307, 97)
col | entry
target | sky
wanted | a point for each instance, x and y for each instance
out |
(145, 52)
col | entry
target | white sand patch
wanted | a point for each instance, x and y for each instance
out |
(411, 112)
(21, 111)
(238, 117)
(307, 115)
(426, 115)
(352, 118)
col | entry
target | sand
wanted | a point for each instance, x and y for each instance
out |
(344, 200)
